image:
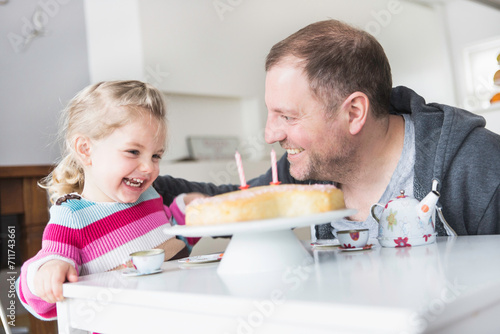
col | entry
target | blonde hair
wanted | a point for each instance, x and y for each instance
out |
(96, 112)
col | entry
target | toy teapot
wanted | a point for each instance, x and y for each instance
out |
(406, 222)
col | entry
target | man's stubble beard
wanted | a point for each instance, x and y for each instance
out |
(334, 166)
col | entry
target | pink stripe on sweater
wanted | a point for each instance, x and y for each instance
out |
(180, 218)
(129, 232)
(42, 308)
(178, 215)
(105, 225)
(58, 248)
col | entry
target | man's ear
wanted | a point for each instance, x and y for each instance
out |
(83, 148)
(357, 105)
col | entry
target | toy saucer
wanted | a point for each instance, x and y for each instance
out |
(325, 244)
(356, 249)
(133, 272)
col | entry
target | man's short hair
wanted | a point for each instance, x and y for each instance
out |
(338, 60)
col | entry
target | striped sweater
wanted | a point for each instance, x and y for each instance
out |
(95, 237)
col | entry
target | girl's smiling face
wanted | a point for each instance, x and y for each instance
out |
(122, 165)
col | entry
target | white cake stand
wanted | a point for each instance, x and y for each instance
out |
(261, 245)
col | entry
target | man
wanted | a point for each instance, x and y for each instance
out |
(331, 105)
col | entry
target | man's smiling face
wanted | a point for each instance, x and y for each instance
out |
(315, 142)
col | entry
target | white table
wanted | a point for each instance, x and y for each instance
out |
(452, 286)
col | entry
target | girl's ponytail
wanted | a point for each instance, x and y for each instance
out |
(67, 177)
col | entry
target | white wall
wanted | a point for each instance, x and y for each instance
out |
(212, 50)
(36, 82)
(114, 40)
(218, 48)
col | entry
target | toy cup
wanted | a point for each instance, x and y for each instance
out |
(148, 261)
(356, 238)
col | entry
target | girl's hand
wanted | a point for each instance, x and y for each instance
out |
(50, 277)
(192, 196)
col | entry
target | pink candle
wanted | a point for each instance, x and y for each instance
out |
(274, 167)
(241, 173)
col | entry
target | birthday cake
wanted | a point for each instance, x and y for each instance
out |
(264, 202)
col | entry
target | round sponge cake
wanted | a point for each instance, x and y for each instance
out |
(265, 202)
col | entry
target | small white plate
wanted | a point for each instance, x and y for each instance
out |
(134, 272)
(367, 247)
(333, 243)
(202, 258)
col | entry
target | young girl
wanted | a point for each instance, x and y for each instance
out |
(105, 207)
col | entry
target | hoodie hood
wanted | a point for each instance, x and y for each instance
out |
(440, 129)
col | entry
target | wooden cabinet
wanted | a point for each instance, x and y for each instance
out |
(21, 196)
(25, 205)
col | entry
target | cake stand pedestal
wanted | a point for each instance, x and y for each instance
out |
(253, 252)
(263, 245)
